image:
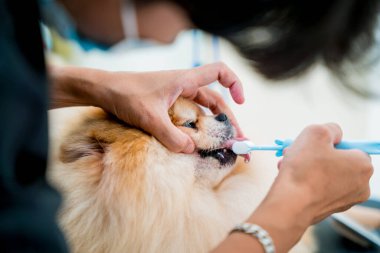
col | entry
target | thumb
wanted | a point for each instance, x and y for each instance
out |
(170, 136)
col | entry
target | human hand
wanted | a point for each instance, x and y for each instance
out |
(314, 181)
(143, 99)
(328, 179)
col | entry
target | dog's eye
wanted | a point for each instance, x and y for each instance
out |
(190, 124)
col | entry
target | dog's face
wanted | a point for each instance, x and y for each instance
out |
(212, 135)
(102, 137)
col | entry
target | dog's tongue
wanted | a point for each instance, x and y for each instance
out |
(229, 143)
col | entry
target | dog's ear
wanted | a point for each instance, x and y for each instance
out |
(78, 147)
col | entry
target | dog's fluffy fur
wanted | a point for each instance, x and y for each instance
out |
(124, 192)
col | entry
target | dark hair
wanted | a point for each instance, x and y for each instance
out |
(282, 38)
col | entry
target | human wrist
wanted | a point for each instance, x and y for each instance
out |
(258, 233)
(285, 214)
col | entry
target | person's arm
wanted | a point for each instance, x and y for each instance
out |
(102, 21)
(142, 99)
(314, 181)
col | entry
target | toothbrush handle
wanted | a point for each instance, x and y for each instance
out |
(369, 147)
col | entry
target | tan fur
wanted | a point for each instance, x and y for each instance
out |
(124, 192)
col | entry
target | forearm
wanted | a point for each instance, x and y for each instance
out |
(284, 224)
(73, 86)
(284, 218)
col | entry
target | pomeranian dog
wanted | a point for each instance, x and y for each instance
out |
(123, 191)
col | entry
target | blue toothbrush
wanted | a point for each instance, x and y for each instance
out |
(244, 147)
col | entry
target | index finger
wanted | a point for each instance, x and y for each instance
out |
(212, 100)
(330, 133)
(206, 74)
(161, 127)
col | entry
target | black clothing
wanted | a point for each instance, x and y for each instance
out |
(28, 205)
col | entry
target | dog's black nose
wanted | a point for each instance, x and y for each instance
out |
(221, 117)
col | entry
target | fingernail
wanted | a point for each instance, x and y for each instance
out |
(189, 148)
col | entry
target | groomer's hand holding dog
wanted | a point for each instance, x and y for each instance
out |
(315, 180)
(142, 99)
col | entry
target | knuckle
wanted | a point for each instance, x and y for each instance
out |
(216, 103)
(364, 196)
(187, 78)
(359, 154)
(220, 65)
(333, 125)
(367, 194)
(313, 127)
(220, 101)
(212, 106)
(335, 128)
(369, 170)
(364, 161)
(222, 69)
(321, 131)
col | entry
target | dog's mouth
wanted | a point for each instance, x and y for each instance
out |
(224, 154)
